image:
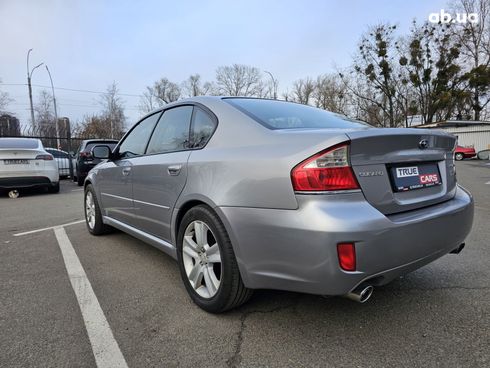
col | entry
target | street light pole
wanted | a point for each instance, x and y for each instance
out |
(29, 76)
(274, 84)
(58, 144)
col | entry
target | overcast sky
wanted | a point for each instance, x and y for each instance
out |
(87, 44)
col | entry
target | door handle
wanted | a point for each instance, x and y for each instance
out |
(126, 171)
(174, 169)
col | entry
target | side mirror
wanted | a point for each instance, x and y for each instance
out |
(101, 152)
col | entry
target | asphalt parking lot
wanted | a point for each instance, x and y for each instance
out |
(438, 316)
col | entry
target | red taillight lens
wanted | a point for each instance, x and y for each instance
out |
(44, 157)
(85, 154)
(325, 171)
(347, 256)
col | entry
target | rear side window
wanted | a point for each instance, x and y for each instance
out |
(135, 142)
(55, 153)
(91, 144)
(172, 132)
(88, 147)
(21, 143)
(274, 114)
(203, 127)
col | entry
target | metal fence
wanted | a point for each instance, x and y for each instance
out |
(63, 137)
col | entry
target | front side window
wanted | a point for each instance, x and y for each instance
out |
(172, 132)
(135, 142)
(202, 128)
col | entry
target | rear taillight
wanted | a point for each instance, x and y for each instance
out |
(326, 171)
(44, 157)
(347, 256)
(85, 154)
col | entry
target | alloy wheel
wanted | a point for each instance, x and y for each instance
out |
(202, 259)
(90, 209)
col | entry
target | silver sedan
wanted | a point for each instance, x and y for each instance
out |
(252, 193)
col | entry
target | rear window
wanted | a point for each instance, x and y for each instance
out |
(89, 146)
(19, 143)
(274, 114)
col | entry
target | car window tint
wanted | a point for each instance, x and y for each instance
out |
(89, 146)
(19, 143)
(274, 114)
(172, 131)
(55, 153)
(202, 128)
(135, 142)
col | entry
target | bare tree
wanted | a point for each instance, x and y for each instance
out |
(331, 94)
(166, 91)
(113, 110)
(193, 86)
(302, 91)
(239, 80)
(44, 109)
(148, 101)
(4, 100)
(474, 41)
(96, 126)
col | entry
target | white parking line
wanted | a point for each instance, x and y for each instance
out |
(104, 346)
(48, 228)
(488, 182)
(77, 190)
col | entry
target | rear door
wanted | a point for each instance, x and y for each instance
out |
(114, 178)
(403, 169)
(160, 175)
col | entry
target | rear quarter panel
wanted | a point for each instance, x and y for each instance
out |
(247, 165)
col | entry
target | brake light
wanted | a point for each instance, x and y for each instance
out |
(85, 154)
(347, 256)
(326, 171)
(47, 157)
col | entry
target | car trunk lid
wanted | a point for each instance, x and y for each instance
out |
(403, 169)
(12, 159)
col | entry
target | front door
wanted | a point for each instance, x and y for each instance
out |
(115, 178)
(114, 183)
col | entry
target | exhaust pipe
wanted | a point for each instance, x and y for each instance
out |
(361, 294)
(458, 249)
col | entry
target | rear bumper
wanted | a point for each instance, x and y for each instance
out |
(25, 182)
(296, 249)
(85, 167)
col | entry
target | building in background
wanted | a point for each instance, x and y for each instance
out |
(469, 133)
(9, 126)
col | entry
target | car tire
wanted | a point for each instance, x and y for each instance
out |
(93, 216)
(458, 156)
(54, 188)
(80, 180)
(230, 292)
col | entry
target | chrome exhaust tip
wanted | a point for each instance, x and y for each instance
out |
(361, 294)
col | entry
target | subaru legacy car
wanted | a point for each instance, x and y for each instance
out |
(252, 193)
(24, 163)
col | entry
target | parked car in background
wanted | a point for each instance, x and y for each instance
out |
(464, 152)
(263, 194)
(484, 154)
(62, 158)
(84, 161)
(25, 163)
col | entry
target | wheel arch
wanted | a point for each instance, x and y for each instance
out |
(188, 202)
